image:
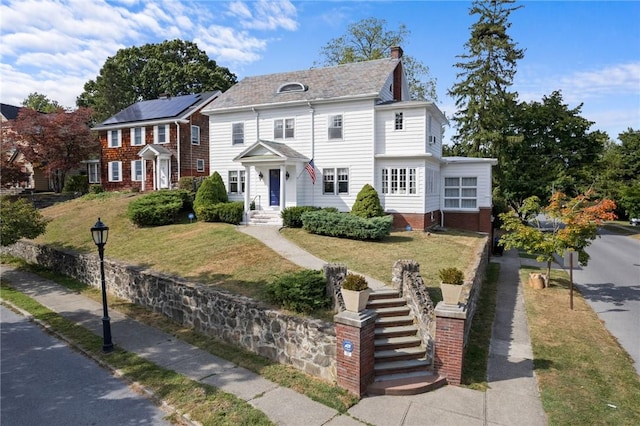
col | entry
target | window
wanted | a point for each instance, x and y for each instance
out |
(114, 138)
(335, 127)
(399, 121)
(399, 181)
(137, 136)
(115, 171)
(200, 165)
(161, 133)
(236, 181)
(93, 172)
(136, 170)
(292, 87)
(460, 192)
(283, 129)
(195, 135)
(237, 136)
(432, 182)
(329, 181)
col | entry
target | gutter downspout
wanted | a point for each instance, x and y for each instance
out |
(313, 146)
(178, 137)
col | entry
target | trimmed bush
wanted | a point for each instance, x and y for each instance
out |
(303, 291)
(221, 212)
(157, 208)
(96, 189)
(346, 225)
(354, 282)
(210, 192)
(291, 216)
(367, 203)
(186, 183)
(77, 183)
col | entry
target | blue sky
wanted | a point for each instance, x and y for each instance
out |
(589, 50)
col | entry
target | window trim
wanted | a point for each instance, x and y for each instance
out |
(233, 133)
(198, 162)
(110, 143)
(284, 129)
(110, 171)
(134, 178)
(398, 123)
(195, 141)
(401, 181)
(460, 198)
(331, 126)
(240, 183)
(156, 134)
(336, 180)
(132, 134)
(95, 166)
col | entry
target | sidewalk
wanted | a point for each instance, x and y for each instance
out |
(512, 399)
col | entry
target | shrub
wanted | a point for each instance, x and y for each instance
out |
(77, 183)
(291, 216)
(157, 208)
(451, 276)
(303, 291)
(19, 219)
(96, 189)
(187, 183)
(354, 282)
(367, 203)
(210, 192)
(221, 212)
(346, 225)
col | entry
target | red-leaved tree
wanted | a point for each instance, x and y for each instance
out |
(56, 142)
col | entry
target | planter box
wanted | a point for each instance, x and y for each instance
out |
(450, 293)
(355, 301)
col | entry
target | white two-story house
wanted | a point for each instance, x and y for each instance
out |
(316, 137)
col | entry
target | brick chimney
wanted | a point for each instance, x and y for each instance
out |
(396, 52)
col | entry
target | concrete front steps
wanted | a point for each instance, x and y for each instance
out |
(401, 363)
(265, 217)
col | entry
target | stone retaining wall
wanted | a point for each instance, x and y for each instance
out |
(308, 344)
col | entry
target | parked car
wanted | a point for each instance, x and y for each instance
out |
(634, 221)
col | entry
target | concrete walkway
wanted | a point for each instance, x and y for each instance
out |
(513, 398)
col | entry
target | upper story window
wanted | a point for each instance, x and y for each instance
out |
(461, 192)
(137, 136)
(399, 122)
(284, 129)
(195, 135)
(399, 181)
(237, 136)
(292, 87)
(335, 127)
(114, 138)
(161, 133)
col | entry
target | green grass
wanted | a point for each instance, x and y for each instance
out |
(474, 368)
(582, 370)
(319, 390)
(205, 404)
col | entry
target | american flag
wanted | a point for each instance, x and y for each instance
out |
(311, 169)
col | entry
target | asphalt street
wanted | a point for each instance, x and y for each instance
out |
(611, 285)
(44, 382)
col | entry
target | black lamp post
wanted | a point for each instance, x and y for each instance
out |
(100, 233)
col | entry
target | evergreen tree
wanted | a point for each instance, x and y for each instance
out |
(483, 99)
(367, 203)
(212, 191)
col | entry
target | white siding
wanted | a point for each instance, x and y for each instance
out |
(480, 170)
(410, 140)
(402, 203)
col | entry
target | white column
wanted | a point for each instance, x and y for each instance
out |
(247, 192)
(144, 174)
(283, 188)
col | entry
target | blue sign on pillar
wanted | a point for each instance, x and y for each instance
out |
(347, 346)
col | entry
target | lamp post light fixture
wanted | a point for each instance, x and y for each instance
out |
(100, 233)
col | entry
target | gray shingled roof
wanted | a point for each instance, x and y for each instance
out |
(340, 81)
(280, 149)
(9, 112)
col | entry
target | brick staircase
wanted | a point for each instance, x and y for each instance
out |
(402, 366)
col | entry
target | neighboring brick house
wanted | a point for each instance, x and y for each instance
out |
(151, 144)
(349, 125)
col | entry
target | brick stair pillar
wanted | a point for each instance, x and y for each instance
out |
(449, 341)
(355, 351)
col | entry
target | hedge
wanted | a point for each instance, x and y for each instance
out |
(221, 212)
(303, 291)
(158, 208)
(346, 225)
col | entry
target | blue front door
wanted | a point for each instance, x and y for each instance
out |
(274, 187)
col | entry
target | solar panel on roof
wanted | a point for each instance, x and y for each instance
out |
(154, 109)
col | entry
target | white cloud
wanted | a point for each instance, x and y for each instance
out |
(228, 45)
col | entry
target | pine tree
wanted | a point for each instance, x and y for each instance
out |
(482, 95)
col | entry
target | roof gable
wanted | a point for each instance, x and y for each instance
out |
(9, 112)
(167, 108)
(340, 81)
(265, 150)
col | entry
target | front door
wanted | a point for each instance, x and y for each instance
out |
(274, 187)
(164, 173)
